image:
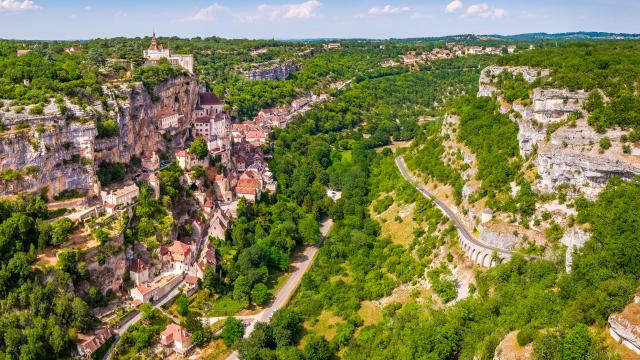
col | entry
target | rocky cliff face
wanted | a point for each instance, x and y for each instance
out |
(489, 75)
(547, 106)
(58, 158)
(573, 157)
(625, 327)
(508, 236)
(275, 72)
(138, 117)
(53, 153)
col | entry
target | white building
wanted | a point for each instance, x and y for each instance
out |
(122, 196)
(188, 161)
(168, 119)
(218, 124)
(157, 52)
(176, 337)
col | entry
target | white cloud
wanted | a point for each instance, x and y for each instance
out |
(477, 9)
(88, 8)
(208, 13)
(17, 5)
(305, 10)
(485, 11)
(453, 6)
(388, 9)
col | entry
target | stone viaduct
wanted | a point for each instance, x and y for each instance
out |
(480, 253)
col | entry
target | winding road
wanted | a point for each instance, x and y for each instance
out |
(287, 290)
(474, 248)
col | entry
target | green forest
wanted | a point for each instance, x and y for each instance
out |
(349, 145)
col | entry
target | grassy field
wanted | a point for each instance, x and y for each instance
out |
(325, 325)
(370, 313)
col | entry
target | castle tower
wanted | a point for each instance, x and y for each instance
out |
(154, 42)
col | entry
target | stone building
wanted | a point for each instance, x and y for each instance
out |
(89, 344)
(208, 104)
(138, 271)
(123, 196)
(157, 52)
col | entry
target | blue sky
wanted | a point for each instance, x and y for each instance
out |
(265, 19)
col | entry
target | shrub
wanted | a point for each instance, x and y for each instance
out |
(36, 110)
(605, 143)
(526, 336)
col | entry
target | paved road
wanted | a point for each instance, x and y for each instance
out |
(288, 289)
(446, 209)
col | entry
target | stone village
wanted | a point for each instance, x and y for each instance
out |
(235, 169)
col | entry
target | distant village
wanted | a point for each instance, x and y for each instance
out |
(448, 52)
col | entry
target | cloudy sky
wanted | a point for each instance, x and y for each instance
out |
(265, 19)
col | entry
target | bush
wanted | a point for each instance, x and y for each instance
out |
(109, 173)
(36, 110)
(526, 336)
(605, 143)
(108, 128)
(383, 204)
(232, 331)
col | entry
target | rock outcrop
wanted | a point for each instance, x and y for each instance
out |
(60, 157)
(57, 153)
(547, 106)
(625, 327)
(489, 75)
(507, 236)
(138, 118)
(275, 72)
(573, 157)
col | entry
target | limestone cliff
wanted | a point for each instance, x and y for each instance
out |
(58, 153)
(275, 72)
(573, 157)
(547, 106)
(58, 157)
(138, 117)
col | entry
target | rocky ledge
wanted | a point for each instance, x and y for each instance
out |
(573, 157)
(625, 327)
(274, 72)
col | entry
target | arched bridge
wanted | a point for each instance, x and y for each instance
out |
(480, 253)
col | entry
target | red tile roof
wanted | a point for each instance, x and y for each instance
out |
(96, 340)
(190, 279)
(144, 289)
(173, 333)
(247, 186)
